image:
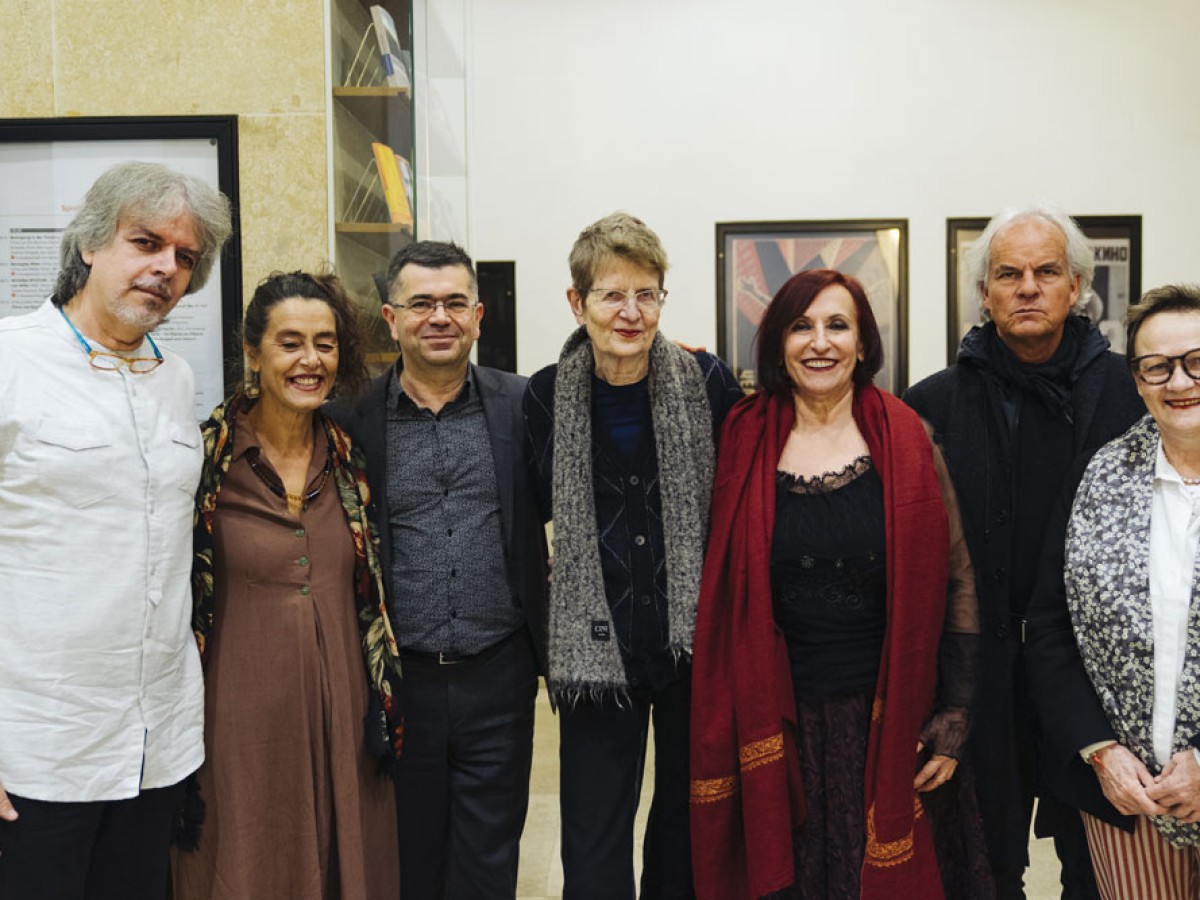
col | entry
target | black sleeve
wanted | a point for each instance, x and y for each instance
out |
(949, 727)
(722, 387)
(538, 408)
(916, 398)
(341, 412)
(1068, 710)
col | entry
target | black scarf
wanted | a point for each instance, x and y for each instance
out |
(1049, 381)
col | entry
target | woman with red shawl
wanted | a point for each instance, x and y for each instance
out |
(836, 634)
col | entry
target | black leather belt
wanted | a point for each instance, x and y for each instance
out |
(441, 658)
(446, 658)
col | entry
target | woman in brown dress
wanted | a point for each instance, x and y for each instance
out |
(288, 613)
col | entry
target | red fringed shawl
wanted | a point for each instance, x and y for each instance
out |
(746, 791)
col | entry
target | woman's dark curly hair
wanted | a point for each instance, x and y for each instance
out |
(279, 286)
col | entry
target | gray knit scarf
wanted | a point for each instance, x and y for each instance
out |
(581, 665)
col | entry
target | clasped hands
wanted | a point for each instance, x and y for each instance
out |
(1130, 787)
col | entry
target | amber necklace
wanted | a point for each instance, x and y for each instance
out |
(296, 502)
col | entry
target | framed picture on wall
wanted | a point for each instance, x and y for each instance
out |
(754, 259)
(46, 167)
(1116, 243)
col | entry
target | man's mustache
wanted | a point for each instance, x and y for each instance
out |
(157, 286)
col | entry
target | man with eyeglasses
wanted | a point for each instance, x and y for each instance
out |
(101, 699)
(465, 549)
(1032, 389)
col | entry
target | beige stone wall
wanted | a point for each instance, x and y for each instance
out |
(262, 60)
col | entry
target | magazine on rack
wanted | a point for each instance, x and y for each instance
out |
(395, 73)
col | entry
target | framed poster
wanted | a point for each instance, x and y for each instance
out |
(754, 259)
(1116, 243)
(46, 167)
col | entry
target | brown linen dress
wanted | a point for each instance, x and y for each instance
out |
(295, 808)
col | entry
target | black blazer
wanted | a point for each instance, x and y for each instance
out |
(1069, 711)
(525, 552)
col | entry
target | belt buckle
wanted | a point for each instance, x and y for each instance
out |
(442, 661)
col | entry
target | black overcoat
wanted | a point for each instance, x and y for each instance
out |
(976, 441)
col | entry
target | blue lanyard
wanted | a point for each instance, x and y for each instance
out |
(87, 348)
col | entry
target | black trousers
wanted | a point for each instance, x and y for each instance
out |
(1070, 844)
(462, 782)
(89, 851)
(602, 754)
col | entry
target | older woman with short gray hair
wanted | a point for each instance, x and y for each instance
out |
(622, 434)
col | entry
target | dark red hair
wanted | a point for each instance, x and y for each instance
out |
(789, 304)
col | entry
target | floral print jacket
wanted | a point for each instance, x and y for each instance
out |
(1108, 593)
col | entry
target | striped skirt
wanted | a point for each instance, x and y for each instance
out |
(1143, 865)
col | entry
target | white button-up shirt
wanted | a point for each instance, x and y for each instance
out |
(1174, 535)
(101, 693)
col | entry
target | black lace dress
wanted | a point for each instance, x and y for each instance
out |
(829, 585)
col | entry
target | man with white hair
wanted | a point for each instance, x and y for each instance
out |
(1032, 389)
(101, 697)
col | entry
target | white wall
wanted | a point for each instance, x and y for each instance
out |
(692, 113)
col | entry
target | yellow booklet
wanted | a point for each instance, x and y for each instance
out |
(388, 164)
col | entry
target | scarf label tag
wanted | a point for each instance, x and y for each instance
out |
(600, 630)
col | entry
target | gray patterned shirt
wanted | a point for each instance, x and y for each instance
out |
(449, 588)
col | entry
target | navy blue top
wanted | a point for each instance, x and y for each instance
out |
(622, 412)
(628, 508)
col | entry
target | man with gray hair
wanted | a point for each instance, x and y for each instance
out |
(101, 698)
(1031, 390)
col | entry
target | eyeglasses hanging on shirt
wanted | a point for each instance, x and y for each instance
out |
(109, 362)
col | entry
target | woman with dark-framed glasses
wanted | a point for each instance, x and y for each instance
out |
(289, 617)
(1114, 648)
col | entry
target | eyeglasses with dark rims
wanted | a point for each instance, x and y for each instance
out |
(1156, 368)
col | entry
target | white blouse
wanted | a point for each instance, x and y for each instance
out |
(1174, 537)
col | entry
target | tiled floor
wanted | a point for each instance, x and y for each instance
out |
(540, 876)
